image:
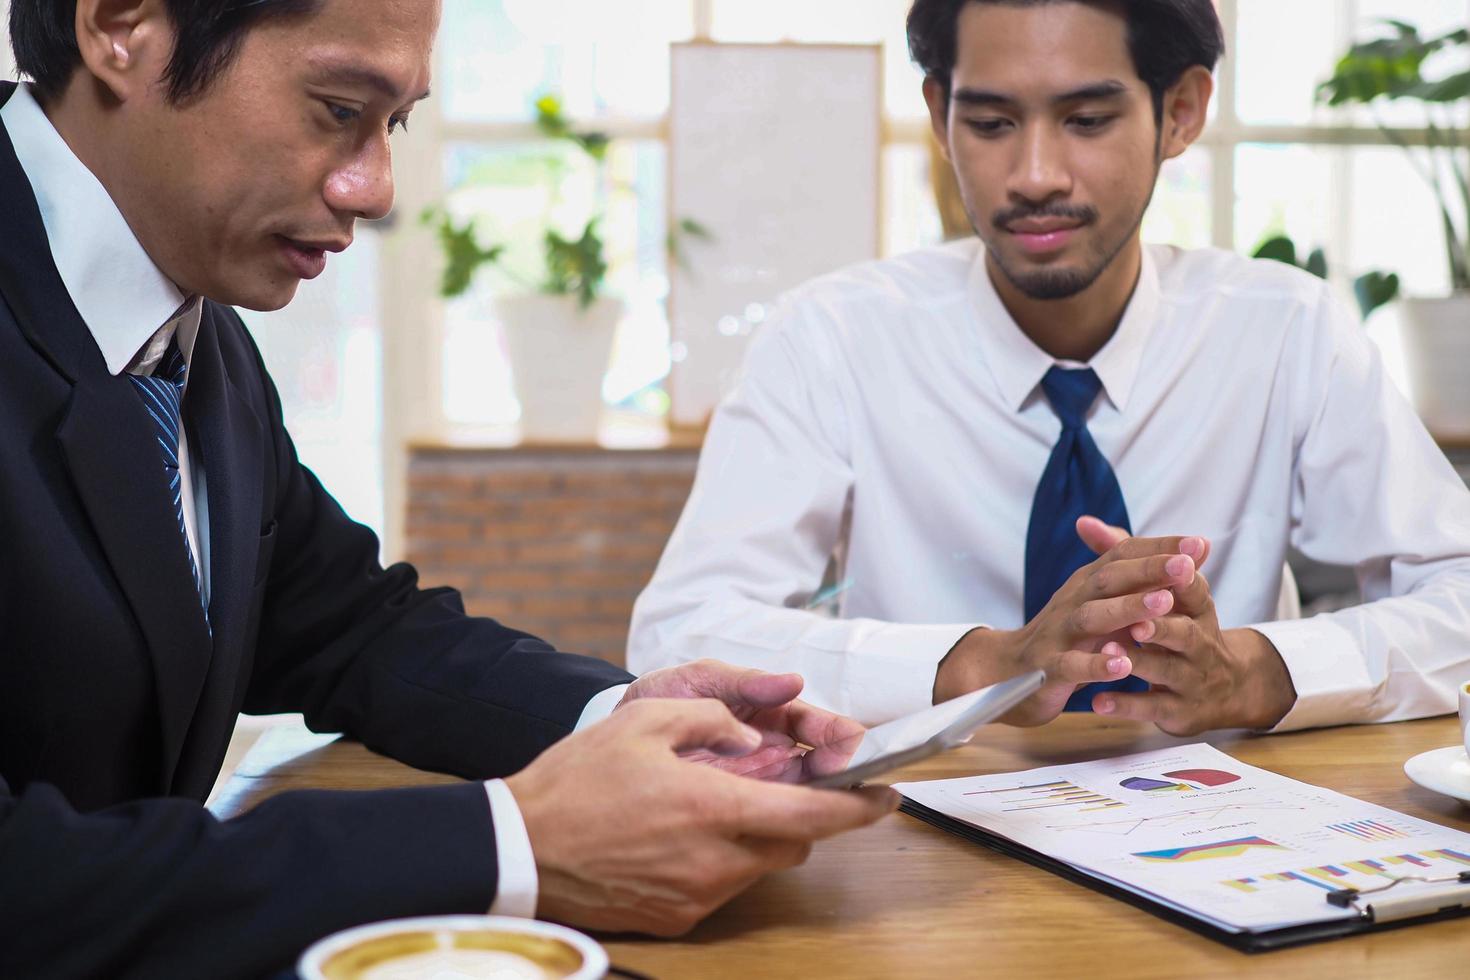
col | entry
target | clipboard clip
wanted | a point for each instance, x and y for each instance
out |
(1452, 892)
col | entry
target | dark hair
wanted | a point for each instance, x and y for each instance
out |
(208, 33)
(1165, 38)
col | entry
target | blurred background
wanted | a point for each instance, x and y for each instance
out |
(545, 112)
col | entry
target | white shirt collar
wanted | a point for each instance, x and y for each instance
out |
(122, 296)
(1018, 365)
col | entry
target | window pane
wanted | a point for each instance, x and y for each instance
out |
(1366, 206)
(1286, 189)
(497, 56)
(1394, 227)
(1284, 50)
(1180, 211)
(324, 351)
(832, 21)
(515, 191)
(1393, 220)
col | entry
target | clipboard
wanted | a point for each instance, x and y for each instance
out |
(1412, 901)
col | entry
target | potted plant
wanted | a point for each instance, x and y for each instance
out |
(1436, 329)
(558, 330)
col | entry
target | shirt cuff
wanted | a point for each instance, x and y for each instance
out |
(601, 705)
(1327, 669)
(893, 671)
(517, 890)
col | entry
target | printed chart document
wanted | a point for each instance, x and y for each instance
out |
(1240, 851)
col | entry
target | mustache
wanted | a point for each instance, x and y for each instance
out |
(1080, 213)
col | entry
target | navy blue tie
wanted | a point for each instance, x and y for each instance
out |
(1077, 481)
(163, 395)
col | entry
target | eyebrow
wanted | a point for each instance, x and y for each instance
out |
(1110, 89)
(358, 75)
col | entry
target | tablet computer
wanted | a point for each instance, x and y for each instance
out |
(930, 731)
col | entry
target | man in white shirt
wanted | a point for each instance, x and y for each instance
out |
(169, 561)
(953, 423)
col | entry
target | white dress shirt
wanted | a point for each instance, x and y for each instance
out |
(892, 412)
(132, 311)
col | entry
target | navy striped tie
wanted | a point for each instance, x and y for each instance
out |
(163, 394)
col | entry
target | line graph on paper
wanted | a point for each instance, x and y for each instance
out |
(1124, 826)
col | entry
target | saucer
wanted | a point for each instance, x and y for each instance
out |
(1445, 770)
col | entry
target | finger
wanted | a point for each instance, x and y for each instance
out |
(1174, 632)
(1167, 545)
(1100, 617)
(1099, 535)
(687, 724)
(1159, 707)
(736, 686)
(810, 725)
(1161, 667)
(1194, 599)
(1104, 579)
(1073, 667)
(760, 689)
(1197, 548)
(775, 854)
(802, 813)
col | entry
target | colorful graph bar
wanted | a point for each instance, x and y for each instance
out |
(1450, 855)
(1327, 876)
(1369, 830)
(1413, 859)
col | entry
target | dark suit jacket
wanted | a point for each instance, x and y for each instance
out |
(116, 704)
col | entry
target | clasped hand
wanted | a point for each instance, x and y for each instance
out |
(1200, 676)
(1142, 608)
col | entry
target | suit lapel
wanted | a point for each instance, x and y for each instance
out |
(108, 445)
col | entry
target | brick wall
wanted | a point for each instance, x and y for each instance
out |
(556, 542)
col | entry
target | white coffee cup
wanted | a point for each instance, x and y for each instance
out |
(1465, 714)
(456, 946)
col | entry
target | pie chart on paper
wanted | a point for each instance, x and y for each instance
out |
(1180, 780)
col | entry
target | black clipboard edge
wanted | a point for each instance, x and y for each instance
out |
(1245, 942)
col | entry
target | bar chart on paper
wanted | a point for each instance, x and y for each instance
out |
(1362, 873)
(1046, 796)
(1373, 830)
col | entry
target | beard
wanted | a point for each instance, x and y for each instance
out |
(1054, 284)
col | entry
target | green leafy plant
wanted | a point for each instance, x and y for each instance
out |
(1390, 69)
(1371, 289)
(573, 267)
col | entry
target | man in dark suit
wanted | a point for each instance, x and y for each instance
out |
(170, 563)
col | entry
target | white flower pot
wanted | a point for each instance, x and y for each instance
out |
(1436, 336)
(558, 354)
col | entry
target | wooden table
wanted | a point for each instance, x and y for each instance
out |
(902, 899)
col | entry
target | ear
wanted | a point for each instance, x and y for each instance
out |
(1186, 107)
(124, 44)
(937, 99)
